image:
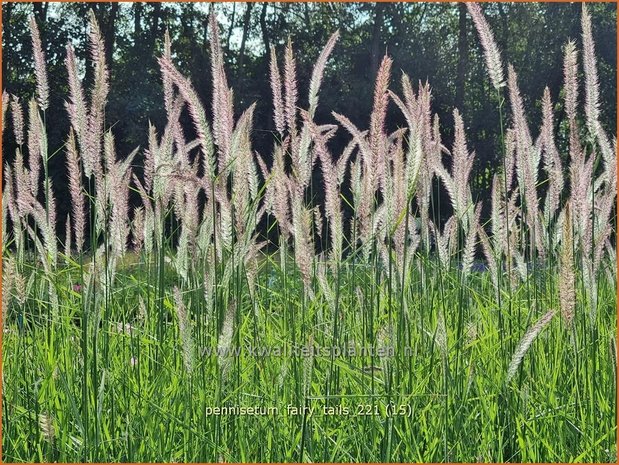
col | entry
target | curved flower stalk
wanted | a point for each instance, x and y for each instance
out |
(525, 343)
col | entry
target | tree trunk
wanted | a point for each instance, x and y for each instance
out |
(107, 24)
(90, 72)
(283, 14)
(379, 15)
(463, 52)
(246, 24)
(231, 28)
(154, 31)
(137, 23)
(205, 41)
(306, 14)
(504, 30)
(264, 30)
(40, 13)
(8, 49)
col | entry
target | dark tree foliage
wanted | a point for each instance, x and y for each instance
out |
(429, 41)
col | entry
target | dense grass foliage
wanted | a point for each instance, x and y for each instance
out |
(450, 390)
(168, 329)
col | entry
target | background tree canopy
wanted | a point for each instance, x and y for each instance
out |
(429, 41)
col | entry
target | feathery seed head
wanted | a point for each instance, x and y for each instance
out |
(567, 279)
(525, 343)
(18, 120)
(184, 323)
(592, 86)
(224, 345)
(5, 107)
(278, 100)
(491, 50)
(318, 72)
(570, 76)
(39, 66)
(290, 87)
(46, 425)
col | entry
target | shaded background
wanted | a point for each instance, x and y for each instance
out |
(428, 41)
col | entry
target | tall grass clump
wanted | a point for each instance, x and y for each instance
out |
(405, 330)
